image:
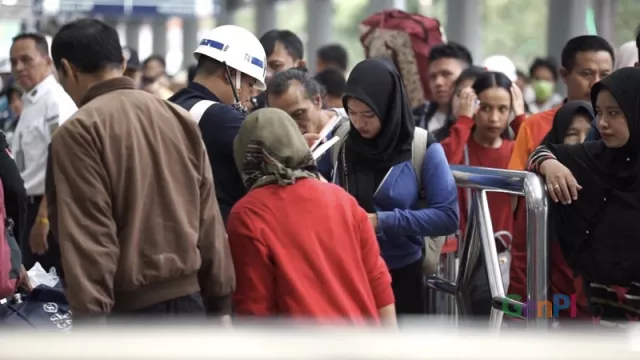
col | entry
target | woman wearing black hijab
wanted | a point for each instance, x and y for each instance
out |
(375, 166)
(596, 192)
(571, 124)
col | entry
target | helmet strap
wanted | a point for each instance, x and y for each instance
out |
(235, 87)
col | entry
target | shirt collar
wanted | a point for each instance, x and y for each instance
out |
(39, 90)
(203, 91)
(106, 86)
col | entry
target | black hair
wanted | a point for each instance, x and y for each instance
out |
(281, 82)
(42, 45)
(450, 50)
(491, 79)
(549, 63)
(334, 54)
(207, 66)
(89, 44)
(155, 57)
(583, 43)
(191, 72)
(470, 73)
(290, 41)
(333, 81)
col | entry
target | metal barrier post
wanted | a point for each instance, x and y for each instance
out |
(479, 236)
(537, 247)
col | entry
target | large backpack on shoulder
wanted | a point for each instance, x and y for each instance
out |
(10, 255)
(407, 39)
(433, 245)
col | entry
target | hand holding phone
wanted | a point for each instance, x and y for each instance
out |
(326, 131)
(468, 103)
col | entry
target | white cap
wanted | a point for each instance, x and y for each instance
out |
(501, 63)
(238, 48)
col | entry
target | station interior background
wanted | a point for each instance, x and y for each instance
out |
(520, 29)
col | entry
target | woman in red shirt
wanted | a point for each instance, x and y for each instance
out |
(301, 247)
(479, 138)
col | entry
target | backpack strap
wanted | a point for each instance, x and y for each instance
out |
(418, 150)
(433, 245)
(341, 131)
(198, 110)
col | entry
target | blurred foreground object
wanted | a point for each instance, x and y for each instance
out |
(274, 342)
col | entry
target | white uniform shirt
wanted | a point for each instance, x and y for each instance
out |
(45, 107)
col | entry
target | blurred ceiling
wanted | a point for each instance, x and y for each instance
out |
(15, 9)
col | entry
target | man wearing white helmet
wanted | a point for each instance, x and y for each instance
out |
(231, 63)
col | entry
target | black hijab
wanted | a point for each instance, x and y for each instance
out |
(564, 118)
(377, 83)
(598, 232)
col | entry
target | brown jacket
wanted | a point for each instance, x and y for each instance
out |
(132, 201)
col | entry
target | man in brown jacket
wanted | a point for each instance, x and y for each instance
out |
(131, 195)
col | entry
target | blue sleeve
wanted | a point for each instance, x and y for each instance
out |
(220, 125)
(593, 134)
(441, 216)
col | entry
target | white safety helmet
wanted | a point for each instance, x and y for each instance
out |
(237, 48)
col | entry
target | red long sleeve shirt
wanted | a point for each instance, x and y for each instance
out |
(308, 251)
(499, 204)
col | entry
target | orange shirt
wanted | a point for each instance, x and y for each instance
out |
(530, 134)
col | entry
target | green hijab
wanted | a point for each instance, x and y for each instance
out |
(269, 149)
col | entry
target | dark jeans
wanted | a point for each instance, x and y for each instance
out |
(189, 308)
(52, 257)
(191, 304)
(185, 309)
(408, 289)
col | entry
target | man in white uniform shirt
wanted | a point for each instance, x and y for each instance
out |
(46, 106)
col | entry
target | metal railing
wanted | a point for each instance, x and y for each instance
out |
(479, 241)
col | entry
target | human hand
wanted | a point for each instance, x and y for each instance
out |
(311, 138)
(38, 236)
(467, 103)
(517, 100)
(373, 219)
(23, 280)
(562, 186)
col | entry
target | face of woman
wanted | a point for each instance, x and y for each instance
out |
(493, 112)
(611, 122)
(363, 118)
(577, 132)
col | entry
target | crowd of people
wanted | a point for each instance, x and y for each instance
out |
(332, 192)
